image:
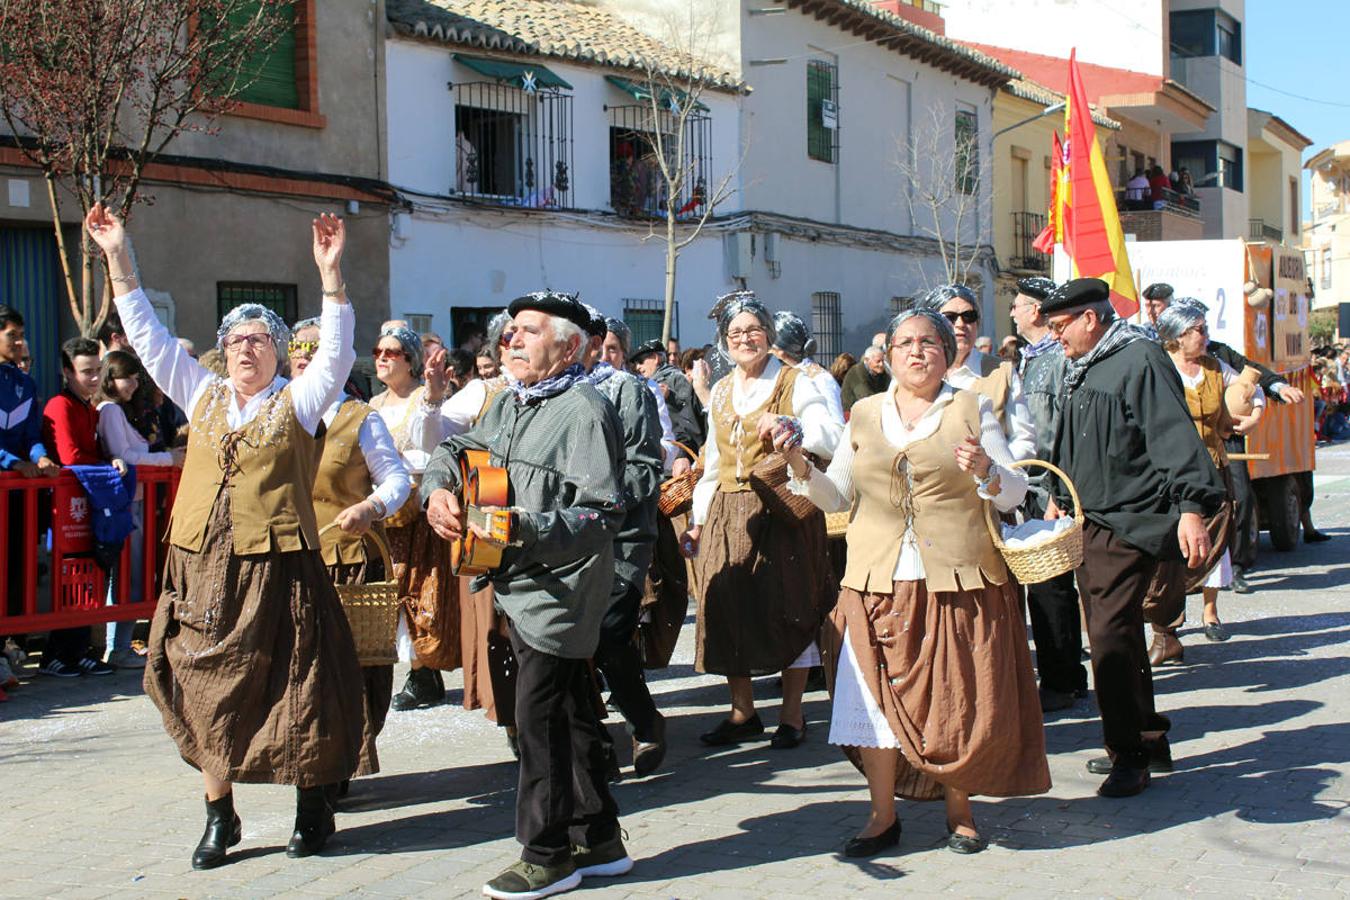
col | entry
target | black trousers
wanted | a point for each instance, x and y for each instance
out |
(1241, 547)
(1113, 580)
(562, 798)
(619, 659)
(1057, 634)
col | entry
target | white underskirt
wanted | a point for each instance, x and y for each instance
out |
(1222, 574)
(404, 641)
(809, 658)
(856, 720)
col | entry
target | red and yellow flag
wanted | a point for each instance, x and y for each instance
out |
(1091, 225)
(1053, 232)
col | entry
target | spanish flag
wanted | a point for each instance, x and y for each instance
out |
(1053, 232)
(1092, 234)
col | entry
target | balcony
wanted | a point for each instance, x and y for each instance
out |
(1258, 230)
(1026, 258)
(1176, 219)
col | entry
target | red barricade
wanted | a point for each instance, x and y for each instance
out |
(78, 583)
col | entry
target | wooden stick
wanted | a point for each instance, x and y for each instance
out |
(1256, 457)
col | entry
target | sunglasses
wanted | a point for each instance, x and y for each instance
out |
(969, 316)
(387, 353)
(303, 348)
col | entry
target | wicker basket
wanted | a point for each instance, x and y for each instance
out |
(677, 492)
(372, 612)
(836, 523)
(1062, 553)
(769, 479)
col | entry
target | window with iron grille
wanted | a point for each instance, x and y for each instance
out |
(899, 305)
(419, 322)
(967, 150)
(646, 317)
(280, 298)
(827, 324)
(637, 188)
(822, 110)
(513, 146)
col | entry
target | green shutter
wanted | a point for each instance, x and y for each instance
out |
(967, 156)
(819, 89)
(270, 75)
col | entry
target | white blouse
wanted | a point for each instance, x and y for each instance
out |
(388, 475)
(461, 408)
(832, 490)
(418, 428)
(820, 430)
(828, 387)
(121, 441)
(1230, 375)
(1021, 432)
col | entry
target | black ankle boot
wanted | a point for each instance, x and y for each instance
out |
(424, 687)
(223, 830)
(313, 822)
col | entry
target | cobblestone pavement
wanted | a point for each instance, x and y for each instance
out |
(97, 803)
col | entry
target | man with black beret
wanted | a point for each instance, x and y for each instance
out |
(1126, 440)
(561, 444)
(686, 412)
(1053, 604)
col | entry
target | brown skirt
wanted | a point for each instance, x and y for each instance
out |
(764, 587)
(429, 593)
(489, 662)
(952, 674)
(378, 680)
(251, 664)
(665, 602)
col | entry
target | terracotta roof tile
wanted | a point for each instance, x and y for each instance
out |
(1039, 93)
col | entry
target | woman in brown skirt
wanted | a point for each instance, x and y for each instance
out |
(762, 580)
(251, 659)
(361, 480)
(934, 694)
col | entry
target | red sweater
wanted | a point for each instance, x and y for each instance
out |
(70, 430)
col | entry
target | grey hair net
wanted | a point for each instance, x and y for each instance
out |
(410, 341)
(794, 337)
(248, 312)
(311, 322)
(621, 331)
(934, 298)
(496, 327)
(744, 302)
(1183, 313)
(944, 330)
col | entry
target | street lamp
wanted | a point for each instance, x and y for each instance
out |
(1049, 110)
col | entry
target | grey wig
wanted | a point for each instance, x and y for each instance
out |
(743, 302)
(496, 327)
(311, 322)
(944, 330)
(794, 337)
(248, 312)
(1183, 314)
(411, 343)
(934, 298)
(621, 331)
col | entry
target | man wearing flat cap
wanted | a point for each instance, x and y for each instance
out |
(1126, 440)
(686, 413)
(561, 444)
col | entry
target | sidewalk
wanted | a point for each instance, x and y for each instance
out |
(97, 802)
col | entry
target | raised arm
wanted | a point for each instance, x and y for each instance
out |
(315, 390)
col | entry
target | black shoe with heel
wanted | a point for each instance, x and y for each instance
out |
(313, 822)
(965, 844)
(860, 847)
(223, 830)
(729, 732)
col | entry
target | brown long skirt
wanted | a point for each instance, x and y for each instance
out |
(378, 681)
(953, 676)
(763, 587)
(665, 601)
(251, 664)
(430, 593)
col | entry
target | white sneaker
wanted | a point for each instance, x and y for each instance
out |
(126, 659)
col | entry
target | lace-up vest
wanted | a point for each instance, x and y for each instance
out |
(343, 480)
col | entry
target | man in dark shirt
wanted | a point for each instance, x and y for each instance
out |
(1126, 440)
(866, 378)
(686, 412)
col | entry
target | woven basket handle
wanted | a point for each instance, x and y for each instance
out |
(693, 456)
(994, 531)
(375, 538)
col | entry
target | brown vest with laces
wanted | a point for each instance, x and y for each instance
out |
(924, 485)
(343, 480)
(738, 443)
(995, 382)
(1208, 411)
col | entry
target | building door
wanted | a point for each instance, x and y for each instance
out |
(1019, 185)
(30, 282)
(464, 320)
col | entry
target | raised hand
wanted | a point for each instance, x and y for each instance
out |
(330, 239)
(106, 229)
(435, 375)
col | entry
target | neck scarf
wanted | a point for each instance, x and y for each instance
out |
(1118, 335)
(601, 372)
(548, 387)
(1044, 345)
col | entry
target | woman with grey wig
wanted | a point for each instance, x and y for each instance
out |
(796, 347)
(934, 693)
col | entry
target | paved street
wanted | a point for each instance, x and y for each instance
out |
(96, 802)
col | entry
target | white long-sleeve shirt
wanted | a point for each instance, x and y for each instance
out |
(820, 429)
(1229, 376)
(121, 441)
(388, 476)
(417, 428)
(1020, 430)
(832, 490)
(830, 389)
(669, 452)
(183, 380)
(460, 410)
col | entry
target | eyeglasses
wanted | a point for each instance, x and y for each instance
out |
(257, 340)
(388, 353)
(1199, 328)
(302, 348)
(505, 339)
(925, 345)
(969, 316)
(1058, 327)
(749, 335)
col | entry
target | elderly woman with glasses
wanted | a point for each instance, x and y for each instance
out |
(763, 580)
(934, 694)
(250, 655)
(795, 346)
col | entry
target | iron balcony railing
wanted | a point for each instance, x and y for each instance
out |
(1026, 225)
(1258, 230)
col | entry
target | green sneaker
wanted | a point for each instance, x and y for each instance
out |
(526, 881)
(609, 858)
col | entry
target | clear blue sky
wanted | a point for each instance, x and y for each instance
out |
(1300, 47)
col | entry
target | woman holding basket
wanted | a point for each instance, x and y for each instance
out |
(934, 694)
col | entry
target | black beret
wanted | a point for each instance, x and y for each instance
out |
(1074, 294)
(564, 306)
(652, 346)
(1159, 290)
(596, 327)
(1037, 287)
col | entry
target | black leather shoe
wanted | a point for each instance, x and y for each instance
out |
(313, 822)
(1124, 782)
(648, 755)
(1313, 536)
(859, 847)
(964, 843)
(1216, 632)
(1239, 584)
(424, 687)
(787, 737)
(223, 829)
(728, 732)
(1159, 759)
(1053, 700)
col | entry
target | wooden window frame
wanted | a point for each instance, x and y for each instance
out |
(306, 76)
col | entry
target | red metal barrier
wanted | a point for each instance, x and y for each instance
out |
(78, 584)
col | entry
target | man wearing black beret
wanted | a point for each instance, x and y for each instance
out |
(1126, 440)
(686, 412)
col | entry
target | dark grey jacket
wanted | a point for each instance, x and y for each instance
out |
(1042, 384)
(642, 473)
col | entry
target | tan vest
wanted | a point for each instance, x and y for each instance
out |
(995, 382)
(343, 480)
(937, 498)
(1205, 402)
(491, 388)
(738, 444)
(271, 463)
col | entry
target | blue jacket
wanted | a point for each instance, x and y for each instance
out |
(20, 418)
(110, 497)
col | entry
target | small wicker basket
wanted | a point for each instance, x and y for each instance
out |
(1062, 553)
(677, 492)
(836, 523)
(372, 612)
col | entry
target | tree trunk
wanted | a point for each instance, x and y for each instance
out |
(672, 257)
(61, 247)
